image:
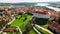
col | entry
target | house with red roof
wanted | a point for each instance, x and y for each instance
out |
(54, 26)
(41, 14)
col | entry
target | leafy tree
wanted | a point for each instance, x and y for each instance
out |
(28, 27)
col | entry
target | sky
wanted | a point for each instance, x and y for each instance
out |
(16, 1)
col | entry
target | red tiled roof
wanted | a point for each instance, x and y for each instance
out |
(50, 23)
(41, 11)
(10, 29)
(53, 14)
(58, 29)
(55, 26)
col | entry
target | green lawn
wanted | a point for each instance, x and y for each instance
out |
(25, 22)
(33, 32)
(45, 26)
(18, 16)
(22, 22)
(18, 22)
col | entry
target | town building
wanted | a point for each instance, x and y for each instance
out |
(54, 26)
(41, 14)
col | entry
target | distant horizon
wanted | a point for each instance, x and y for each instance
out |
(22, 1)
(33, 2)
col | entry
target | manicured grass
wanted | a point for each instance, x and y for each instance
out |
(25, 23)
(21, 22)
(33, 32)
(18, 22)
(45, 26)
(9, 33)
(18, 16)
(17, 32)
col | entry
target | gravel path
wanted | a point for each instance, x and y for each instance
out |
(36, 30)
(43, 28)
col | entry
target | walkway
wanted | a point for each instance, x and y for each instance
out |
(43, 28)
(36, 30)
(11, 21)
(19, 30)
(5, 26)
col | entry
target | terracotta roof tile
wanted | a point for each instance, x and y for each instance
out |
(10, 29)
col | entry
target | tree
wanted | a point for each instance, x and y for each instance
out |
(28, 27)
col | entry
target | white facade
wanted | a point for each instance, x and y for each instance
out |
(41, 15)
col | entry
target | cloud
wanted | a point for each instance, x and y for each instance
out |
(15, 1)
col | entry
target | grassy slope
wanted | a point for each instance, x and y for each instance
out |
(45, 26)
(32, 32)
(21, 23)
(17, 22)
(25, 22)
